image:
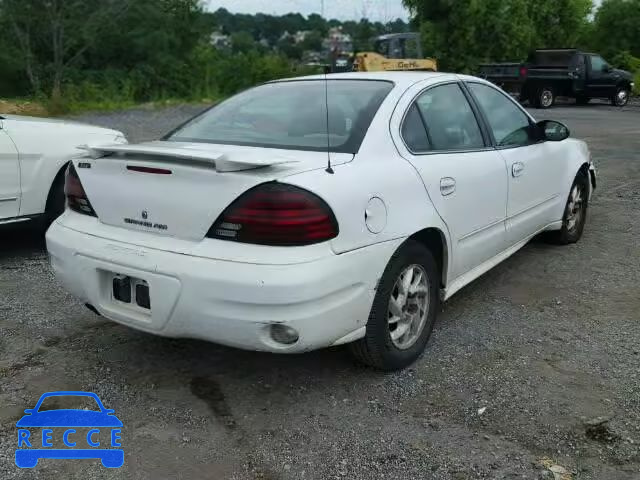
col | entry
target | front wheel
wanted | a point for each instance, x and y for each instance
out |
(575, 212)
(403, 312)
(621, 97)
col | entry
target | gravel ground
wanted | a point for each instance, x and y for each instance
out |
(536, 363)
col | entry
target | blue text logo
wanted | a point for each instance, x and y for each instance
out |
(51, 431)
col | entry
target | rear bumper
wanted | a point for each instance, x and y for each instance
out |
(327, 301)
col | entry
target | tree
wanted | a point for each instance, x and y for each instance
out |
(242, 42)
(464, 33)
(313, 41)
(60, 31)
(617, 27)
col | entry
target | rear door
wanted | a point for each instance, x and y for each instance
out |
(9, 177)
(534, 172)
(465, 178)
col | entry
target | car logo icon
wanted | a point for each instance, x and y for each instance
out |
(145, 214)
(85, 433)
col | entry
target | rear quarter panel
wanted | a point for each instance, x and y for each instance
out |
(377, 171)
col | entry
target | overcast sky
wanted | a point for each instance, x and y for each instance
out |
(374, 10)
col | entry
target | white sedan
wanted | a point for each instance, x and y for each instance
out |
(34, 153)
(307, 213)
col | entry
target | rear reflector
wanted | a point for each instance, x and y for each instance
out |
(74, 192)
(156, 171)
(276, 214)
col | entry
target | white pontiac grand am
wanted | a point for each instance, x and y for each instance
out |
(34, 153)
(234, 228)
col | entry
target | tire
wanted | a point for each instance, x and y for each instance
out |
(56, 199)
(545, 97)
(621, 97)
(572, 228)
(378, 349)
(583, 100)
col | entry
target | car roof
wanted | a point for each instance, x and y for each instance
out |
(404, 78)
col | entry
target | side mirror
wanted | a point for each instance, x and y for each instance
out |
(606, 68)
(553, 131)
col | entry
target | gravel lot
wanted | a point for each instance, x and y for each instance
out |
(548, 342)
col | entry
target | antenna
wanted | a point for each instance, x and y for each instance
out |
(326, 100)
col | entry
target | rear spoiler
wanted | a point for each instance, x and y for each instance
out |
(222, 162)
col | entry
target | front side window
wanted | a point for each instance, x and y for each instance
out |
(450, 121)
(292, 115)
(511, 127)
(597, 63)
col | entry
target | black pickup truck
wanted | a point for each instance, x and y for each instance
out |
(551, 73)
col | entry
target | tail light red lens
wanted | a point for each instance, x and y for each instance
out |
(276, 214)
(523, 72)
(74, 192)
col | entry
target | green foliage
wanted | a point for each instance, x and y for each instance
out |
(626, 61)
(617, 27)
(134, 52)
(636, 88)
(464, 33)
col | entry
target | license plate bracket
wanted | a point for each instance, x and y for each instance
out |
(131, 291)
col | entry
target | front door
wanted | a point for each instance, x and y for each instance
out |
(533, 171)
(466, 179)
(9, 178)
(600, 80)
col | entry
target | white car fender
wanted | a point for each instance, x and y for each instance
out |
(44, 149)
(576, 153)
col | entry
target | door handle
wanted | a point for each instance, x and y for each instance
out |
(447, 186)
(517, 169)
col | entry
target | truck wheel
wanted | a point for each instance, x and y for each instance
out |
(621, 97)
(545, 97)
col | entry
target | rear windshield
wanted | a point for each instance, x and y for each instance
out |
(292, 115)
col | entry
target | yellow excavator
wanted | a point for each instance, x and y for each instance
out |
(395, 52)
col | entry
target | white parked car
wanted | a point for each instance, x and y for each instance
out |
(269, 223)
(34, 153)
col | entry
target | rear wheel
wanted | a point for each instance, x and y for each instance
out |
(403, 312)
(575, 212)
(545, 98)
(621, 97)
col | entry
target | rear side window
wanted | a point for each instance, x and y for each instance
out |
(451, 123)
(510, 126)
(292, 115)
(413, 131)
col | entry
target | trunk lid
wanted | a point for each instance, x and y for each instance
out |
(195, 183)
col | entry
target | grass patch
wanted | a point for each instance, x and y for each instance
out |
(23, 107)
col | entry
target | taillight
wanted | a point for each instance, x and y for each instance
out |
(74, 192)
(523, 72)
(276, 214)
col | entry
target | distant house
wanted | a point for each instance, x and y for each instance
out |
(301, 35)
(338, 42)
(286, 36)
(220, 41)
